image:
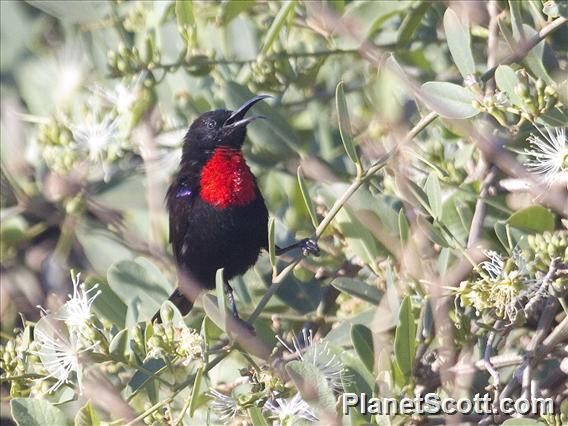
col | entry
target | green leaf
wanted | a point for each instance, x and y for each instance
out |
(272, 139)
(87, 416)
(448, 99)
(345, 124)
(232, 8)
(220, 292)
(184, 13)
(523, 422)
(506, 81)
(358, 289)
(277, 24)
(411, 22)
(36, 412)
(271, 242)
(533, 218)
(196, 390)
(362, 339)
(139, 278)
(256, 416)
(405, 339)
(420, 196)
(308, 377)
(118, 345)
(459, 43)
(370, 15)
(140, 378)
(307, 199)
(434, 194)
(108, 304)
(533, 59)
(402, 226)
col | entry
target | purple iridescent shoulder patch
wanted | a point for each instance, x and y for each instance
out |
(183, 192)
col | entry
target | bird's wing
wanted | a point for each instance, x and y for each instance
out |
(179, 201)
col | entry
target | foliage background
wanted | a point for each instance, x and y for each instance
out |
(406, 181)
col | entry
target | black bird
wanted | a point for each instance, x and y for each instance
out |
(218, 218)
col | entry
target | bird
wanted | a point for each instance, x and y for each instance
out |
(217, 214)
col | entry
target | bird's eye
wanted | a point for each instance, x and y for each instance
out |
(211, 124)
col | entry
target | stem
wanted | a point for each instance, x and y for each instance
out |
(338, 205)
(526, 47)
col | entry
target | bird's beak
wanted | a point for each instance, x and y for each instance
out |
(237, 117)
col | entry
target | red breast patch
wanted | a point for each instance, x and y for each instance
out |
(226, 180)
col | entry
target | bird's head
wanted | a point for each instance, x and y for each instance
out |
(220, 128)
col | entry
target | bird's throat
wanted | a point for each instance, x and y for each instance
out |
(226, 180)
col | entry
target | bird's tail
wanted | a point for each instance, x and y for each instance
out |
(181, 302)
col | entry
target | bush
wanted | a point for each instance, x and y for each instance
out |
(423, 146)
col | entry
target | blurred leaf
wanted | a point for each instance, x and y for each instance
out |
(534, 218)
(102, 249)
(118, 345)
(358, 289)
(271, 243)
(507, 80)
(36, 412)
(184, 13)
(108, 304)
(302, 297)
(274, 30)
(87, 416)
(533, 59)
(420, 196)
(411, 22)
(433, 233)
(523, 422)
(402, 226)
(256, 416)
(405, 339)
(211, 309)
(448, 99)
(220, 292)
(230, 9)
(459, 43)
(356, 379)
(272, 139)
(308, 378)
(362, 339)
(140, 378)
(345, 124)
(434, 195)
(139, 278)
(73, 12)
(370, 16)
(195, 392)
(307, 199)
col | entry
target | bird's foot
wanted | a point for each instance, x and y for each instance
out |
(309, 246)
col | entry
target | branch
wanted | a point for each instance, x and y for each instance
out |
(526, 47)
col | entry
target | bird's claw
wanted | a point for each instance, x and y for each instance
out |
(310, 246)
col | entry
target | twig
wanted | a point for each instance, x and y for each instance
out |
(542, 290)
(526, 47)
(476, 228)
(338, 205)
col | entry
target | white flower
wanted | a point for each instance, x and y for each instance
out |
(290, 410)
(122, 96)
(76, 312)
(59, 353)
(548, 156)
(96, 137)
(225, 406)
(493, 266)
(320, 356)
(190, 345)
